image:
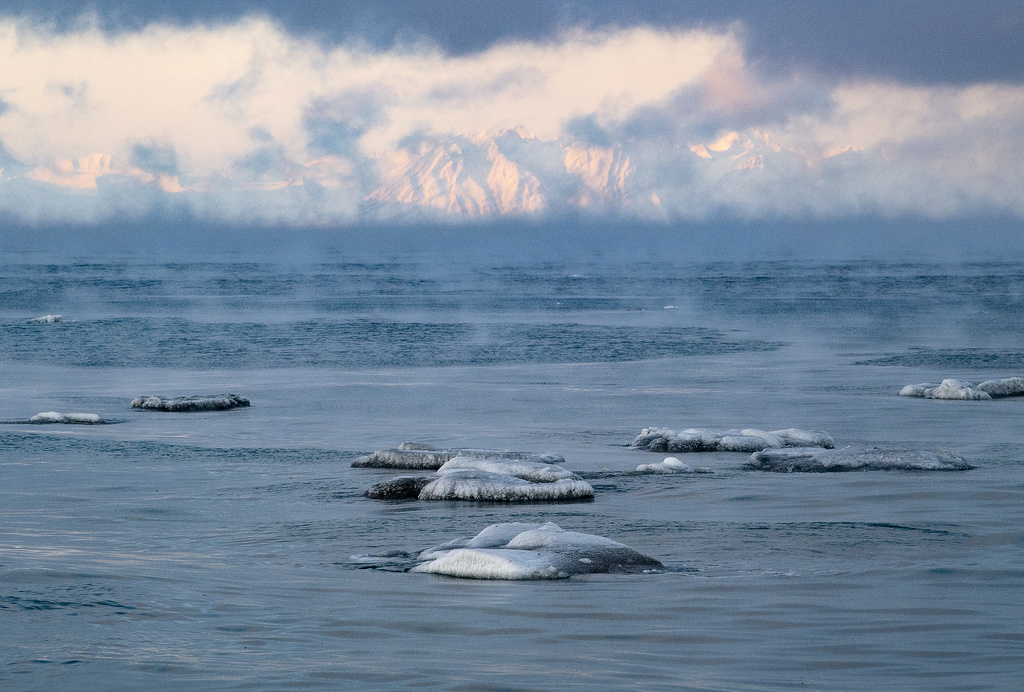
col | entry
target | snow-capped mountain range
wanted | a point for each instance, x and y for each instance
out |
(508, 173)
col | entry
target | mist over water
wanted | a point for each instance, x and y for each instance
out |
(214, 550)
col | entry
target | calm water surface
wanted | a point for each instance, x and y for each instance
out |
(214, 550)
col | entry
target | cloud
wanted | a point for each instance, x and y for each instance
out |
(246, 122)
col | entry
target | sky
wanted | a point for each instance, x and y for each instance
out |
(331, 114)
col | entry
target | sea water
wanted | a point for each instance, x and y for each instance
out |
(227, 549)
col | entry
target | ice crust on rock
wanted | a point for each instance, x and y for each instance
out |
(209, 402)
(731, 440)
(66, 418)
(855, 459)
(967, 391)
(485, 486)
(411, 455)
(46, 319)
(671, 465)
(533, 471)
(532, 551)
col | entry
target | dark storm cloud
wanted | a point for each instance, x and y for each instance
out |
(916, 41)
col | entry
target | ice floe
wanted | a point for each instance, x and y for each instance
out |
(66, 418)
(46, 319)
(967, 391)
(855, 459)
(412, 455)
(532, 551)
(671, 465)
(210, 402)
(731, 440)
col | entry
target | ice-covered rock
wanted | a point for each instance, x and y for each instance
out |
(46, 319)
(671, 465)
(967, 391)
(66, 418)
(415, 456)
(473, 484)
(211, 402)
(731, 440)
(948, 389)
(855, 459)
(531, 551)
(997, 389)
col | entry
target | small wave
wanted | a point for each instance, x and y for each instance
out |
(46, 319)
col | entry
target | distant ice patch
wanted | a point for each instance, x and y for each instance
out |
(66, 418)
(967, 391)
(855, 459)
(46, 319)
(671, 465)
(731, 440)
(211, 402)
(532, 551)
(414, 455)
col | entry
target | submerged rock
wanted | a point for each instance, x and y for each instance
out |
(855, 459)
(532, 551)
(211, 402)
(402, 488)
(731, 440)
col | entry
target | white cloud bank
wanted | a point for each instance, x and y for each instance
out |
(247, 123)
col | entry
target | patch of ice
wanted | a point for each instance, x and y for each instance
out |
(46, 319)
(411, 455)
(473, 484)
(533, 471)
(732, 440)
(966, 391)
(66, 418)
(997, 389)
(671, 465)
(855, 459)
(524, 551)
(209, 402)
